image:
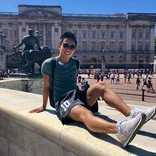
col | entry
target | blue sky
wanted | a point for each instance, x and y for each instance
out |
(87, 6)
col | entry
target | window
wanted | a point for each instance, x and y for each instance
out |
(121, 35)
(120, 47)
(93, 46)
(102, 46)
(84, 45)
(49, 34)
(56, 29)
(15, 34)
(84, 35)
(140, 35)
(133, 47)
(146, 47)
(140, 47)
(133, 35)
(147, 35)
(112, 46)
(93, 34)
(112, 35)
(102, 35)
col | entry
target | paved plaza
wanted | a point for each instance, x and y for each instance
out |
(128, 91)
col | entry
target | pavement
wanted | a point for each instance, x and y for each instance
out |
(128, 91)
(77, 136)
(21, 132)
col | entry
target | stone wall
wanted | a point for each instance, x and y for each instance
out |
(27, 85)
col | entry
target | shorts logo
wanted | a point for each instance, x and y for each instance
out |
(65, 105)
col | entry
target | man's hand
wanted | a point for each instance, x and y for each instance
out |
(14, 47)
(37, 110)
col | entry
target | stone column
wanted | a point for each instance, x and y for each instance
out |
(136, 37)
(144, 37)
(27, 27)
(44, 34)
(127, 37)
(20, 32)
(52, 35)
(58, 34)
(152, 38)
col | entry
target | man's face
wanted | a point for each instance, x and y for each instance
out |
(67, 47)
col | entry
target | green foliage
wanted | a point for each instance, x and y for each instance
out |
(155, 45)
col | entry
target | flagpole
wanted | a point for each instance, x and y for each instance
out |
(42, 2)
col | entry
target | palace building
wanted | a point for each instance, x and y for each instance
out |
(115, 40)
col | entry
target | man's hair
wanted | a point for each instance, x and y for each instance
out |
(69, 35)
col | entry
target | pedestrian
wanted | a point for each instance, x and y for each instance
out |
(86, 85)
(145, 81)
(73, 104)
(79, 78)
(125, 76)
(101, 76)
(82, 83)
(112, 77)
(150, 84)
(97, 77)
(117, 78)
(138, 82)
(129, 77)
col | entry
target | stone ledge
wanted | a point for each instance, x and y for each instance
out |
(43, 134)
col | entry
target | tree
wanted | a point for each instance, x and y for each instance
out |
(155, 44)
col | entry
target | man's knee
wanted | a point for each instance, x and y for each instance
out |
(87, 118)
(101, 87)
(86, 115)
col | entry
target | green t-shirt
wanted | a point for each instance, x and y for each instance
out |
(65, 76)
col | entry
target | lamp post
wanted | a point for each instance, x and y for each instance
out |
(2, 37)
(103, 65)
(2, 49)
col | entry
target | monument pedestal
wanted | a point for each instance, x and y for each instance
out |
(23, 75)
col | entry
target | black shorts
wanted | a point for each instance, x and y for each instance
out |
(68, 101)
(145, 83)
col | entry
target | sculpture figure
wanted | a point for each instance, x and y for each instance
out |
(29, 42)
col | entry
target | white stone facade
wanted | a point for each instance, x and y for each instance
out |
(125, 41)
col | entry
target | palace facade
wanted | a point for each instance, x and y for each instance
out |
(117, 40)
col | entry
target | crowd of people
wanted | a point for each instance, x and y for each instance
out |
(143, 77)
(4, 73)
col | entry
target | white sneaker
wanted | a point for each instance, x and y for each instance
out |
(128, 128)
(150, 112)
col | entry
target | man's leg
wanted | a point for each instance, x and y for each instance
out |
(81, 114)
(113, 100)
(125, 130)
(109, 96)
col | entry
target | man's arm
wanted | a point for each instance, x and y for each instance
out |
(46, 89)
(19, 45)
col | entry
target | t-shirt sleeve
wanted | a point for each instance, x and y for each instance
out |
(46, 67)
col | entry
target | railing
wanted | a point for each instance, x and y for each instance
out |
(8, 13)
(93, 15)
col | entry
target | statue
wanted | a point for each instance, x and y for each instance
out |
(29, 41)
(36, 56)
